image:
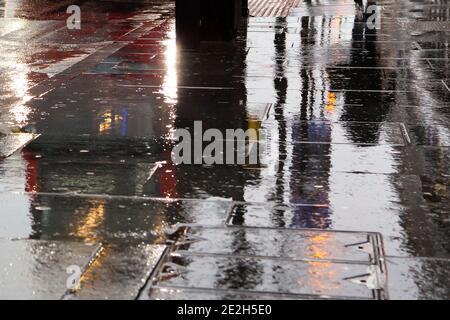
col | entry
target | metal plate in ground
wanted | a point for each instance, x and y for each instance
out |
(34, 269)
(119, 272)
(201, 294)
(11, 143)
(292, 244)
(302, 264)
(265, 276)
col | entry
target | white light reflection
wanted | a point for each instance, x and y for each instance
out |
(13, 24)
(169, 87)
(18, 84)
(16, 72)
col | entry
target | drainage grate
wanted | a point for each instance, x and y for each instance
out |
(270, 263)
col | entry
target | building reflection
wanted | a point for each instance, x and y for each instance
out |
(309, 183)
(428, 124)
(363, 52)
(280, 85)
(219, 109)
(221, 104)
(94, 146)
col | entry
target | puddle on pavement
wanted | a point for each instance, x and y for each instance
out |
(118, 273)
(98, 219)
(356, 122)
(38, 269)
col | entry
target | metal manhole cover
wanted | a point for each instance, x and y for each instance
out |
(270, 263)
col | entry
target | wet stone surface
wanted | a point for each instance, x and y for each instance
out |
(11, 143)
(356, 138)
(102, 219)
(118, 273)
(37, 269)
(268, 276)
(432, 273)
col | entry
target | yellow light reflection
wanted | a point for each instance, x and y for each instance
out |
(322, 277)
(108, 120)
(331, 103)
(87, 228)
(87, 279)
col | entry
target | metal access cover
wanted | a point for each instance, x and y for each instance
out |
(269, 263)
(13, 142)
(36, 269)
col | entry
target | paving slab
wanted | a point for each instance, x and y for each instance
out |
(94, 218)
(118, 273)
(37, 269)
(418, 279)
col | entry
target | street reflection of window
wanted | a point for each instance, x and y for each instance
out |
(109, 121)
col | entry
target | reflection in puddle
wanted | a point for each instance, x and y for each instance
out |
(94, 218)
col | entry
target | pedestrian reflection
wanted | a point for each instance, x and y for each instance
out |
(309, 182)
(374, 103)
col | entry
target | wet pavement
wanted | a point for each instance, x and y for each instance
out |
(356, 151)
